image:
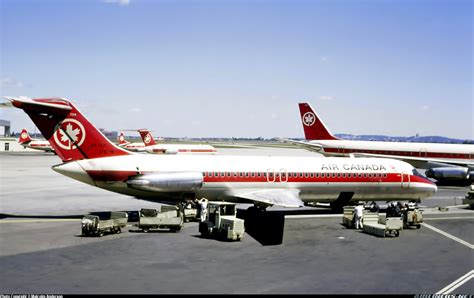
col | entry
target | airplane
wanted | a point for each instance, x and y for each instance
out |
(26, 141)
(136, 147)
(88, 156)
(151, 146)
(449, 164)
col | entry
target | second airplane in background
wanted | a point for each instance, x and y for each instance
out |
(26, 141)
(447, 163)
(151, 146)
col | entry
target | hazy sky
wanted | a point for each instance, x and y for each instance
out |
(239, 68)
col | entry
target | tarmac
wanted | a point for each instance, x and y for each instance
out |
(42, 251)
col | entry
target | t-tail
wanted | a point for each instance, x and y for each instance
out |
(71, 135)
(147, 137)
(121, 139)
(314, 128)
(24, 137)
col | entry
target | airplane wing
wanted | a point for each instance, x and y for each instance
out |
(419, 162)
(280, 197)
(305, 145)
(7, 104)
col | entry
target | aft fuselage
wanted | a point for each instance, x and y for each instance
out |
(442, 153)
(318, 179)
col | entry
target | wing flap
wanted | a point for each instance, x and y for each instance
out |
(280, 197)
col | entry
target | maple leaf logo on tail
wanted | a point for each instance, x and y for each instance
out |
(309, 119)
(70, 133)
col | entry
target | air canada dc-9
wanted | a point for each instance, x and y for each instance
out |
(288, 181)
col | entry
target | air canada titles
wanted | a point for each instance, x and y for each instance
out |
(353, 167)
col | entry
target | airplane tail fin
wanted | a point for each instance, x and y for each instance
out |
(121, 139)
(314, 128)
(71, 135)
(146, 137)
(24, 137)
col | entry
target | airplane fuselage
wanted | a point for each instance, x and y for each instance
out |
(442, 153)
(316, 178)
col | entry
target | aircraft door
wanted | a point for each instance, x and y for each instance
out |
(471, 156)
(271, 175)
(423, 152)
(283, 175)
(405, 180)
(340, 150)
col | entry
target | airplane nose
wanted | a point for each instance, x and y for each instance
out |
(75, 171)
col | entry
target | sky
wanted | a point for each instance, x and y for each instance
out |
(239, 68)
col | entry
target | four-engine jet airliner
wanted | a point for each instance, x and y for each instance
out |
(88, 156)
(447, 163)
(26, 141)
(151, 146)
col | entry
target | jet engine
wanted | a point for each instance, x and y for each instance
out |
(448, 173)
(167, 181)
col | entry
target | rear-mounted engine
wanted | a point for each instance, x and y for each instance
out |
(167, 181)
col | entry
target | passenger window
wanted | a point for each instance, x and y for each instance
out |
(216, 174)
(343, 175)
(222, 174)
(365, 175)
(265, 175)
(246, 174)
(210, 174)
(241, 174)
(306, 175)
(311, 175)
(301, 175)
(228, 174)
(338, 175)
(333, 175)
(258, 174)
(235, 174)
(317, 175)
(360, 175)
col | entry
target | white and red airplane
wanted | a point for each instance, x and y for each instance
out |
(447, 163)
(151, 146)
(135, 147)
(26, 141)
(88, 156)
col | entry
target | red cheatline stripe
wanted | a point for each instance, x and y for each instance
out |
(98, 175)
(400, 153)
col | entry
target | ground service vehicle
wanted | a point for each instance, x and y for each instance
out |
(412, 217)
(221, 222)
(109, 222)
(170, 217)
(469, 200)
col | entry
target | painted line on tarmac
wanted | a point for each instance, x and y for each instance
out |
(471, 246)
(457, 283)
(37, 220)
(312, 216)
(436, 218)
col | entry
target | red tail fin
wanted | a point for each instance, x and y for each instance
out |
(314, 128)
(24, 137)
(146, 137)
(121, 139)
(71, 135)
